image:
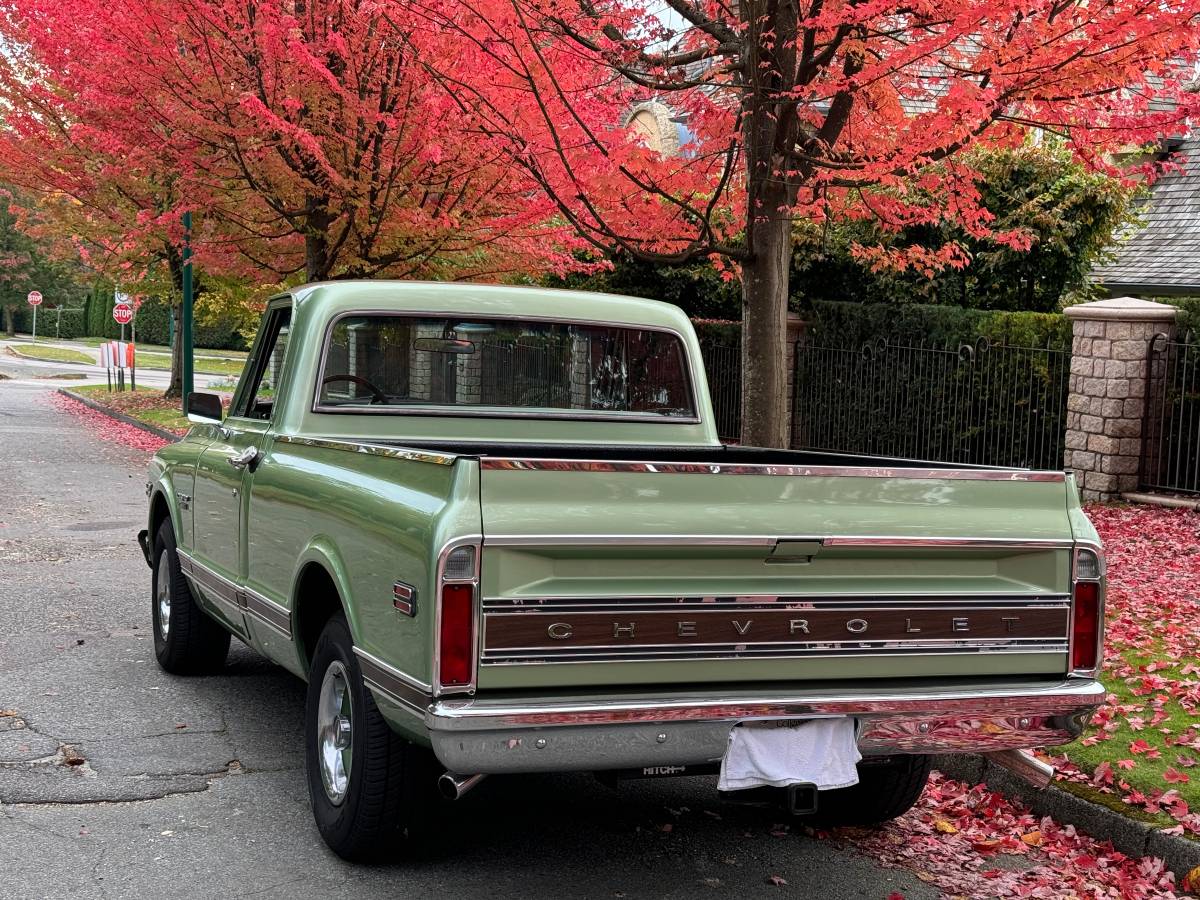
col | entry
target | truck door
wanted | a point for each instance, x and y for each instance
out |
(225, 468)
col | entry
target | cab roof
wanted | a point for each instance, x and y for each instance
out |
(468, 299)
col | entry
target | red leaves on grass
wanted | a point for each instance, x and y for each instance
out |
(106, 427)
(1153, 567)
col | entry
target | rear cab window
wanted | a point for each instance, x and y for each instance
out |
(383, 363)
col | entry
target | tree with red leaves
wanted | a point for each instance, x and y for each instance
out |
(303, 133)
(798, 109)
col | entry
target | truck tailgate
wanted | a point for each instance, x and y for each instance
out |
(601, 572)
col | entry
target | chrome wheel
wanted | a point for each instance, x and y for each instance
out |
(335, 715)
(162, 594)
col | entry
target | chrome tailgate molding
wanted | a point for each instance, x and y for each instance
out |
(550, 464)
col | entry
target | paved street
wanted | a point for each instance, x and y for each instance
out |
(23, 368)
(117, 780)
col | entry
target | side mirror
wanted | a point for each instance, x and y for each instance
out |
(204, 409)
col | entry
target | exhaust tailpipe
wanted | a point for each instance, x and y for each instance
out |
(1024, 765)
(453, 786)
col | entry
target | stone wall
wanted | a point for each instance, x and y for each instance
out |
(1107, 400)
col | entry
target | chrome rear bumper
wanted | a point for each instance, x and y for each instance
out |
(493, 735)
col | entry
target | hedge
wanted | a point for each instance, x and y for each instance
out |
(840, 324)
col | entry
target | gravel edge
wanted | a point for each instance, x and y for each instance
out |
(121, 417)
(1133, 838)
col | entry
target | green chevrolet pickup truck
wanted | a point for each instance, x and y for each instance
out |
(494, 530)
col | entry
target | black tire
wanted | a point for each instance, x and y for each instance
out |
(193, 642)
(389, 802)
(886, 788)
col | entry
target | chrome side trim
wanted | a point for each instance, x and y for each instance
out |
(758, 540)
(439, 459)
(268, 612)
(393, 684)
(210, 584)
(505, 412)
(1065, 697)
(241, 599)
(795, 471)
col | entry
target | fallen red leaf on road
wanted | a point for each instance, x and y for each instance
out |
(106, 427)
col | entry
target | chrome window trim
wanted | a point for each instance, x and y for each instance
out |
(388, 450)
(520, 463)
(1066, 696)
(471, 540)
(450, 411)
(716, 540)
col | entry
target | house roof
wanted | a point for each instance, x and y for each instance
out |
(1163, 257)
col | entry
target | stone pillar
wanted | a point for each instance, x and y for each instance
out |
(1110, 340)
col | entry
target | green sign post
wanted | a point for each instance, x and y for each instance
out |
(186, 350)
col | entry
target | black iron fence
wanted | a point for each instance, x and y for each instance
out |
(990, 404)
(723, 364)
(1170, 457)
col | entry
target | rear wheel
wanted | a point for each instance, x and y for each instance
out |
(886, 788)
(373, 793)
(186, 640)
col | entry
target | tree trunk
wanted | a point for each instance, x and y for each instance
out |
(766, 416)
(175, 266)
(318, 261)
(10, 326)
(175, 386)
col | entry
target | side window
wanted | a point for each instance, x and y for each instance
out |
(258, 397)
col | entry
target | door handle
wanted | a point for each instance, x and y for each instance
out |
(247, 457)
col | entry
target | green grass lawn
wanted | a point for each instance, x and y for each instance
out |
(1148, 774)
(54, 354)
(148, 348)
(145, 404)
(203, 366)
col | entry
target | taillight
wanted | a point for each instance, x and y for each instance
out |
(1085, 626)
(457, 638)
(1087, 621)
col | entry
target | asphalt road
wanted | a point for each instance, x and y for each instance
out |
(24, 368)
(118, 780)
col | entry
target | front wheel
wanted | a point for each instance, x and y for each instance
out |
(186, 640)
(886, 788)
(373, 793)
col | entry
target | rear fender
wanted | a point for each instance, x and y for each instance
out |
(323, 551)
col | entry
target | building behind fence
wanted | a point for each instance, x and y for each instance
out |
(1121, 408)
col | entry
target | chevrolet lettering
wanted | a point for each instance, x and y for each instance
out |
(495, 532)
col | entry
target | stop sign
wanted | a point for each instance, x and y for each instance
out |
(35, 298)
(123, 314)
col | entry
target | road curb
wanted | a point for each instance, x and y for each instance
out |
(1128, 836)
(121, 417)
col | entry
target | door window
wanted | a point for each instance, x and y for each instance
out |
(257, 398)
